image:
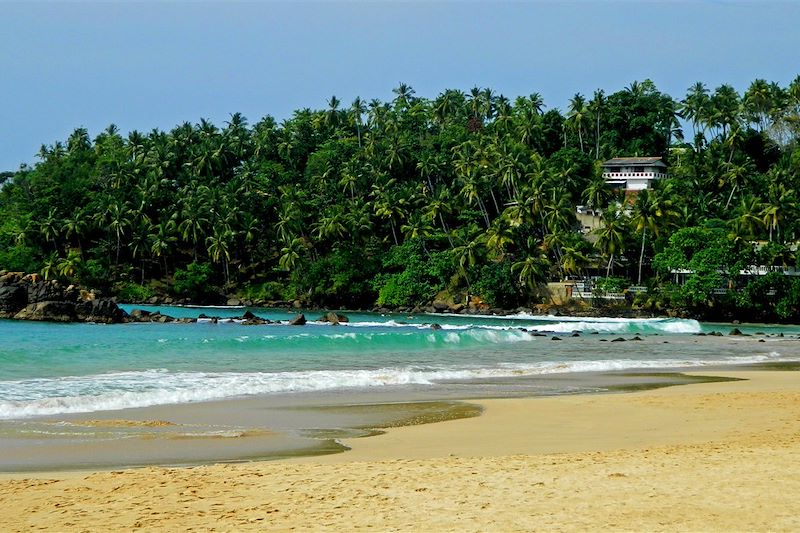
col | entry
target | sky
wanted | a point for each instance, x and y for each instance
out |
(145, 65)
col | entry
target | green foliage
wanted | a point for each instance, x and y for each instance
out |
(497, 285)
(414, 277)
(195, 283)
(133, 293)
(330, 205)
(19, 259)
(613, 284)
(268, 290)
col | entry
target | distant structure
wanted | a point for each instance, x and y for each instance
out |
(633, 174)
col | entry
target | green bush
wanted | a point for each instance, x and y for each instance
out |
(269, 290)
(195, 283)
(496, 284)
(414, 277)
(133, 292)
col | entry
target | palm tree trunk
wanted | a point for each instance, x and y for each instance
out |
(608, 268)
(641, 256)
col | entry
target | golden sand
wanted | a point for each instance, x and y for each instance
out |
(705, 457)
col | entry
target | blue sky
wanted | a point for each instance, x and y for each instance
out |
(154, 65)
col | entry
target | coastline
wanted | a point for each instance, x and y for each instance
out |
(705, 456)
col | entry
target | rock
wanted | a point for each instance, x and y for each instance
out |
(44, 291)
(576, 334)
(139, 313)
(334, 318)
(761, 340)
(439, 306)
(457, 308)
(234, 302)
(618, 339)
(12, 298)
(153, 300)
(537, 334)
(555, 338)
(636, 338)
(255, 322)
(86, 295)
(296, 304)
(299, 320)
(48, 311)
(436, 327)
(735, 331)
(201, 315)
(103, 310)
(248, 315)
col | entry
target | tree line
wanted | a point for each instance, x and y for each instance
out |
(390, 203)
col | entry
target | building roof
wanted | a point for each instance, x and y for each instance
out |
(635, 161)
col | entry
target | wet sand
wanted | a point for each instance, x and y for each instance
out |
(702, 457)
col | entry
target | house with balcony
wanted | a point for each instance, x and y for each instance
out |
(633, 174)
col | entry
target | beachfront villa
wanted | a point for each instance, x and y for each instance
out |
(633, 174)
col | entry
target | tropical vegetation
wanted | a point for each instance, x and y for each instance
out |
(391, 203)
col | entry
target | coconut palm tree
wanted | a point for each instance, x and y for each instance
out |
(611, 235)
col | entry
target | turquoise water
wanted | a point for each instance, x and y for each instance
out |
(51, 369)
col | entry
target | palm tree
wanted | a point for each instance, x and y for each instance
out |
(50, 228)
(68, 266)
(531, 270)
(218, 246)
(596, 106)
(577, 115)
(357, 110)
(611, 235)
(650, 213)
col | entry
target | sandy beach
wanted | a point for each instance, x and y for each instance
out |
(702, 457)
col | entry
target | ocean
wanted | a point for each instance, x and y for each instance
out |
(57, 373)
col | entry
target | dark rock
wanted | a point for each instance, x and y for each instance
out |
(436, 326)
(636, 338)
(618, 339)
(137, 314)
(576, 334)
(537, 334)
(555, 338)
(735, 331)
(201, 315)
(299, 320)
(255, 322)
(248, 315)
(102, 310)
(334, 318)
(603, 340)
(439, 306)
(44, 291)
(48, 311)
(761, 340)
(701, 334)
(12, 298)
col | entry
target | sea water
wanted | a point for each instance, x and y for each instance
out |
(59, 369)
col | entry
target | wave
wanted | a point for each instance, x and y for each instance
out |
(122, 390)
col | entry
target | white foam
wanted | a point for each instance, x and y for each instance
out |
(112, 391)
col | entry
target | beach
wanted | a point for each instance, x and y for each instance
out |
(700, 457)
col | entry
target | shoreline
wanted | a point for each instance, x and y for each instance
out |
(724, 455)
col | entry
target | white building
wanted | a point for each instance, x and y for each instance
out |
(633, 173)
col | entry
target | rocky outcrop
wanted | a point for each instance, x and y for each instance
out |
(29, 297)
(334, 318)
(299, 320)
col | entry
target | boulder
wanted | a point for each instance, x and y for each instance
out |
(439, 306)
(735, 331)
(299, 320)
(436, 327)
(618, 339)
(12, 298)
(44, 291)
(48, 311)
(102, 310)
(334, 318)
(234, 302)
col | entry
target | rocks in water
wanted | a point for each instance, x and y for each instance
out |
(248, 315)
(99, 310)
(735, 331)
(436, 327)
(618, 339)
(555, 338)
(299, 320)
(537, 334)
(636, 338)
(576, 334)
(29, 297)
(334, 318)
(49, 312)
